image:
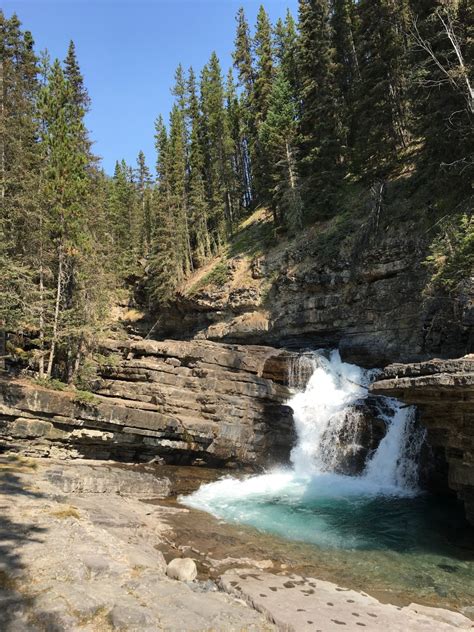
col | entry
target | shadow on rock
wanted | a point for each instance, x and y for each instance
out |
(15, 606)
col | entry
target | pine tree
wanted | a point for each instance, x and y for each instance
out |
(238, 151)
(344, 25)
(278, 138)
(66, 192)
(264, 72)
(177, 170)
(244, 65)
(286, 52)
(143, 178)
(72, 72)
(215, 136)
(164, 261)
(264, 64)
(322, 149)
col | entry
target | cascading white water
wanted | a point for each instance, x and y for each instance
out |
(322, 409)
(301, 502)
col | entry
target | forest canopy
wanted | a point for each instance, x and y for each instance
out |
(345, 94)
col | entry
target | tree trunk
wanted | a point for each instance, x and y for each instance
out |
(56, 313)
(41, 314)
(2, 132)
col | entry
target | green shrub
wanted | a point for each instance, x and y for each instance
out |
(53, 384)
(85, 398)
(217, 277)
(452, 252)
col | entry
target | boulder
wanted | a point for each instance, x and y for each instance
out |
(183, 569)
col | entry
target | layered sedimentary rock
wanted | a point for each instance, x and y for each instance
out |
(443, 391)
(184, 402)
(369, 297)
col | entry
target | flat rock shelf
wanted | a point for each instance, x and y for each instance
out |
(85, 545)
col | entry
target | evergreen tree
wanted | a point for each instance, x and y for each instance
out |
(244, 65)
(278, 137)
(442, 35)
(262, 88)
(322, 149)
(199, 233)
(143, 179)
(164, 262)
(344, 25)
(177, 167)
(264, 64)
(215, 137)
(286, 51)
(382, 117)
(240, 164)
(66, 193)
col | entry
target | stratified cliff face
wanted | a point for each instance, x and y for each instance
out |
(443, 391)
(184, 402)
(369, 299)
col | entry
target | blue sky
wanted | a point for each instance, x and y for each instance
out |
(128, 52)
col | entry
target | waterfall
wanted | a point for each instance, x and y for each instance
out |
(352, 450)
(324, 410)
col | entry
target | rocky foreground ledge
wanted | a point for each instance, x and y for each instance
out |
(443, 391)
(80, 551)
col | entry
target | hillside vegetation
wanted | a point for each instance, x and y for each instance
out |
(350, 114)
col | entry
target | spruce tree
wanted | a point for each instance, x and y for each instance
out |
(322, 150)
(177, 172)
(264, 72)
(165, 266)
(143, 179)
(215, 136)
(278, 138)
(344, 25)
(244, 66)
(199, 233)
(286, 52)
(382, 116)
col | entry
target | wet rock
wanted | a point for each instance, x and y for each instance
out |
(348, 444)
(443, 391)
(183, 569)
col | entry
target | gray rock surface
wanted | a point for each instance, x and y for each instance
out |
(298, 604)
(77, 561)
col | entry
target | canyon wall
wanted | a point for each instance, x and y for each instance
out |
(443, 391)
(370, 297)
(181, 402)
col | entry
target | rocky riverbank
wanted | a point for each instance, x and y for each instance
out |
(82, 550)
